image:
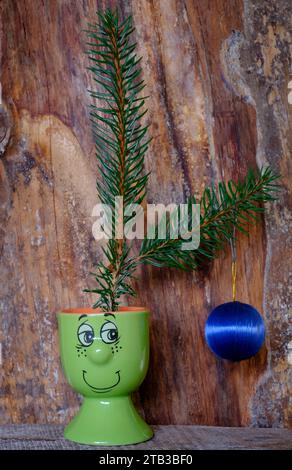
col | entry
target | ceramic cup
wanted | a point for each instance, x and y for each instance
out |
(105, 358)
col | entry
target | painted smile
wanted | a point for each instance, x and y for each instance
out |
(105, 389)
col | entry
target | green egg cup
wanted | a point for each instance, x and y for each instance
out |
(105, 358)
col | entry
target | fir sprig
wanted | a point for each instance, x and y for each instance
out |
(231, 205)
(121, 143)
(113, 279)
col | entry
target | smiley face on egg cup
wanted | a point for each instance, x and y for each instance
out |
(105, 358)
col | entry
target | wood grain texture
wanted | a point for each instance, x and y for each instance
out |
(45, 437)
(217, 72)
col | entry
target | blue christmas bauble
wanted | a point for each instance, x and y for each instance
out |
(235, 331)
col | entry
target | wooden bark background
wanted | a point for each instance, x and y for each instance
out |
(218, 73)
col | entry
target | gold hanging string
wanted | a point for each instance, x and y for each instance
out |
(233, 280)
(233, 265)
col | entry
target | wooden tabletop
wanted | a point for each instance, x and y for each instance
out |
(166, 438)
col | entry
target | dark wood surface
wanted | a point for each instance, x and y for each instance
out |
(217, 72)
(166, 437)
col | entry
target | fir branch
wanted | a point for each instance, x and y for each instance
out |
(121, 144)
(231, 205)
(121, 141)
(113, 280)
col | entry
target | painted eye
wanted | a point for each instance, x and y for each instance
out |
(109, 332)
(85, 334)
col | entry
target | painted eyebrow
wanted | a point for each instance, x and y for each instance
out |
(109, 315)
(82, 316)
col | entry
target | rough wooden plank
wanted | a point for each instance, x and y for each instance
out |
(218, 79)
(166, 438)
